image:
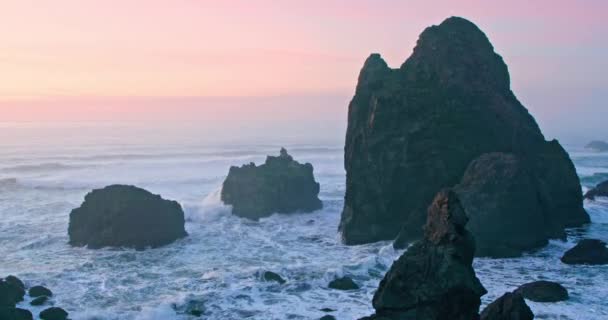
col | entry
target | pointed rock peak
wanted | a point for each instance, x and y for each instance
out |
(374, 61)
(283, 153)
(446, 219)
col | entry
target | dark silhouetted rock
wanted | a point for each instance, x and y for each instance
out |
(12, 291)
(543, 291)
(271, 276)
(344, 283)
(125, 216)
(327, 317)
(415, 129)
(434, 279)
(53, 313)
(587, 251)
(38, 291)
(15, 282)
(39, 301)
(280, 185)
(600, 190)
(11, 313)
(600, 146)
(511, 306)
(193, 307)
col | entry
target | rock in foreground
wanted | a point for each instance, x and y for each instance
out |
(511, 306)
(280, 185)
(597, 145)
(434, 279)
(543, 291)
(125, 216)
(600, 190)
(587, 251)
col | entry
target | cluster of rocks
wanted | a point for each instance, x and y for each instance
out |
(12, 292)
(597, 145)
(448, 118)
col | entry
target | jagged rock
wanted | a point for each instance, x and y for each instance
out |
(597, 145)
(11, 313)
(53, 313)
(12, 291)
(120, 215)
(38, 291)
(39, 301)
(587, 251)
(271, 276)
(434, 279)
(511, 306)
(415, 129)
(280, 185)
(543, 291)
(343, 283)
(600, 190)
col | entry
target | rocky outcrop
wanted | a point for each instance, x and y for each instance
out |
(587, 251)
(270, 276)
(343, 283)
(543, 291)
(53, 313)
(415, 129)
(597, 145)
(125, 216)
(12, 291)
(511, 306)
(280, 185)
(600, 190)
(39, 291)
(434, 279)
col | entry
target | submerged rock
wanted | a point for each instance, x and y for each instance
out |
(434, 279)
(193, 307)
(587, 251)
(327, 317)
(597, 145)
(415, 129)
(53, 313)
(511, 306)
(39, 301)
(543, 291)
(280, 185)
(600, 190)
(121, 215)
(271, 276)
(12, 291)
(38, 291)
(11, 313)
(344, 283)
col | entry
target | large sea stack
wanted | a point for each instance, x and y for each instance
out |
(414, 130)
(125, 216)
(280, 185)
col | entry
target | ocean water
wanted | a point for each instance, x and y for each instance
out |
(46, 173)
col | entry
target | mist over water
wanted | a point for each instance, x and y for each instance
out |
(45, 171)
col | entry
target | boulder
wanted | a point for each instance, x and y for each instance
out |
(543, 291)
(271, 276)
(39, 291)
(600, 190)
(343, 283)
(280, 185)
(53, 313)
(125, 216)
(192, 307)
(511, 306)
(11, 313)
(597, 145)
(39, 301)
(434, 279)
(327, 317)
(12, 291)
(587, 251)
(415, 130)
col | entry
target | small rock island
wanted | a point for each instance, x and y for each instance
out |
(125, 216)
(597, 145)
(280, 185)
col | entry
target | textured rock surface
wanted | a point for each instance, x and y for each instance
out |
(415, 129)
(128, 216)
(597, 145)
(511, 306)
(543, 291)
(600, 190)
(587, 251)
(434, 279)
(280, 185)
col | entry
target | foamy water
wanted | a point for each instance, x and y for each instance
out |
(220, 262)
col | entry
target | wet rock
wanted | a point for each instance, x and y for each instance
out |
(39, 291)
(125, 216)
(280, 185)
(597, 145)
(15, 282)
(543, 291)
(39, 301)
(327, 317)
(11, 291)
(344, 283)
(11, 313)
(511, 306)
(193, 307)
(587, 251)
(600, 190)
(53, 313)
(271, 276)
(415, 129)
(434, 279)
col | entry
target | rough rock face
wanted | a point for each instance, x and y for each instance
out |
(600, 190)
(434, 279)
(543, 291)
(587, 251)
(415, 129)
(597, 145)
(511, 306)
(120, 215)
(280, 185)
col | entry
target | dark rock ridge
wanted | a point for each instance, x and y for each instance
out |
(511, 306)
(434, 279)
(414, 130)
(280, 185)
(600, 190)
(597, 145)
(587, 251)
(543, 291)
(125, 216)
(343, 283)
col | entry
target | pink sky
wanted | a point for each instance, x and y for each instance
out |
(123, 60)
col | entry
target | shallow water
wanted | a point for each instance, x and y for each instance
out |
(219, 263)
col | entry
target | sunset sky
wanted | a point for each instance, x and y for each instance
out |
(74, 60)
